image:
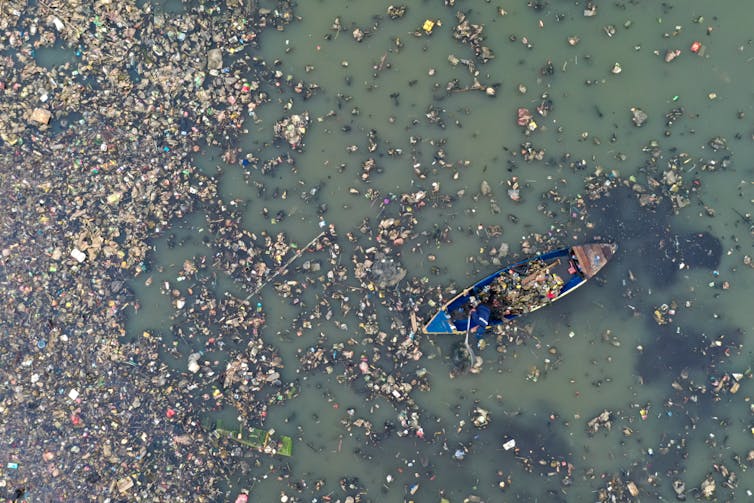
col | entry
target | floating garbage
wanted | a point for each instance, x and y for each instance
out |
(193, 362)
(41, 116)
(78, 255)
(100, 165)
(265, 441)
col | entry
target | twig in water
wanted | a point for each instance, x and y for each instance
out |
(285, 266)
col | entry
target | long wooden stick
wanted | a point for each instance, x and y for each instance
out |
(472, 356)
(285, 266)
(533, 276)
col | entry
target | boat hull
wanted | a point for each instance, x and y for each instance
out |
(573, 265)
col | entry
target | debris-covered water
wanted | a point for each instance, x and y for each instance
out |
(240, 213)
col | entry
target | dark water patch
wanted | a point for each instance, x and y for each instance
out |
(166, 6)
(668, 354)
(135, 76)
(642, 233)
(66, 122)
(675, 351)
(430, 464)
(538, 443)
(671, 463)
(700, 250)
(722, 344)
(619, 216)
(668, 453)
(50, 57)
(646, 238)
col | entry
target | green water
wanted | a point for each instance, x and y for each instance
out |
(480, 140)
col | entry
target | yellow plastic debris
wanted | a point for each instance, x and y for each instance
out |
(428, 26)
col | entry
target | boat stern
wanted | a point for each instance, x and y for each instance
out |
(440, 324)
(593, 257)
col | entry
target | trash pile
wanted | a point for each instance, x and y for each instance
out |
(95, 162)
(471, 34)
(518, 290)
(292, 129)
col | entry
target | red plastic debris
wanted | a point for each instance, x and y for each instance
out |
(696, 46)
(524, 117)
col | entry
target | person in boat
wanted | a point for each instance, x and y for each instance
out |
(493, 298)
(480, 318)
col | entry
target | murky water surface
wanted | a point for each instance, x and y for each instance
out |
(599, 349)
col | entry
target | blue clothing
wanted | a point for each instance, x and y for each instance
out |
(481, 317)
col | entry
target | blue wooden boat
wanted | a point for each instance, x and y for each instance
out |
(542, 279)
